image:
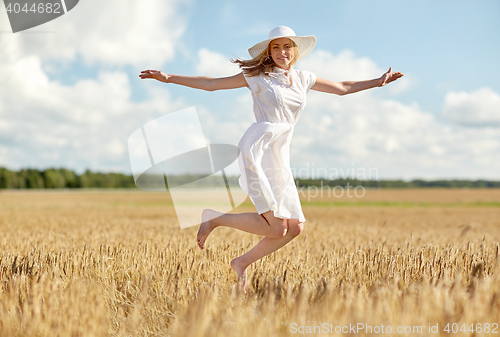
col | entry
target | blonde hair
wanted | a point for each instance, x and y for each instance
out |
(263, 62)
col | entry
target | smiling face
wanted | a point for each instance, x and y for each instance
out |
(282, 52)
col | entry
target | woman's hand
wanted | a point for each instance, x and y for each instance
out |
(389, 77)
(155, 74)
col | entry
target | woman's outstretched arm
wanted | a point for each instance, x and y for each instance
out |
(198, 82)
(349, 87)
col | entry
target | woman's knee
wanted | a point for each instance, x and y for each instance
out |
(277, 227)
(280, 228)
(295, 227)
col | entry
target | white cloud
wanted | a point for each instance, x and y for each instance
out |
(229, 126)
(84, 125)
(402, 84)
(342, 67)
(214, 64)
(399, 140)
(44, 122)
(109, 32)
(479, 108)
(362, 125)
(346, 66)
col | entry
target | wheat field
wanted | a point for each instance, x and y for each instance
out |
(116, 263)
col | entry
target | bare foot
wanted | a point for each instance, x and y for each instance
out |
(207, 226)
(241, 271)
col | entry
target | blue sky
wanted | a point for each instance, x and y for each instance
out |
(70, 95)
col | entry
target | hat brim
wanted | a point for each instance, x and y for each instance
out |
(304, 43)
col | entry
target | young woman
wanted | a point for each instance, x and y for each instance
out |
(279, 96)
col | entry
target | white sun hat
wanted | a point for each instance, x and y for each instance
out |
(304, 43)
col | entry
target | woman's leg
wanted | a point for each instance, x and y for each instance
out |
(265, 247)
(265, 224)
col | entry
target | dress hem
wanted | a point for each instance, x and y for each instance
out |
(282, 217)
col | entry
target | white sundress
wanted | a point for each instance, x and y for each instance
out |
(264, 159)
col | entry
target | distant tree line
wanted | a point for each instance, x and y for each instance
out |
(64, 178)
(417, 183)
